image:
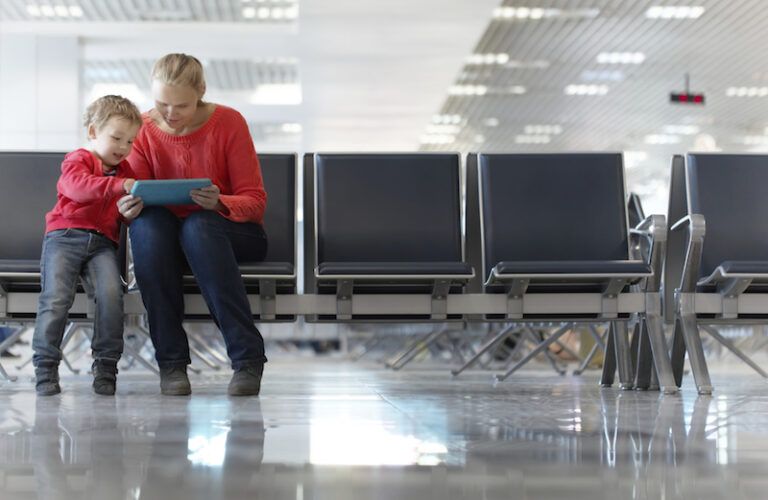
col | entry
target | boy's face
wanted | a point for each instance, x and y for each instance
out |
(113, 141)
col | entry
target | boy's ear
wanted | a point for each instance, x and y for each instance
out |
(91, 131)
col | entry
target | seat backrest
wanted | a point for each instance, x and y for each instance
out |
(552, 207)
(27, 193)
(388, 207)
(279, 174)
(635, 212)
(730, 192)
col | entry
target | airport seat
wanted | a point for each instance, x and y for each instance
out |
(717, 260)
(554, 239)
(379, 226)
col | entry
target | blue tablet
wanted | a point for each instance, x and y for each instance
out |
(167, 191)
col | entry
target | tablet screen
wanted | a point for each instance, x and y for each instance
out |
(167, 191)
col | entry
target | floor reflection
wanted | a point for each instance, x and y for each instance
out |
(381, 436)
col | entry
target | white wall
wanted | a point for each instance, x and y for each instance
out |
(39, 92)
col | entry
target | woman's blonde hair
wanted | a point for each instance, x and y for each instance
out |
(108, 106)
(180, 69)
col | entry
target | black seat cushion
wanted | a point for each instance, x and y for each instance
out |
(395, 268)
(745, 267)
(267, 268)
(582, 267)
(19, 266)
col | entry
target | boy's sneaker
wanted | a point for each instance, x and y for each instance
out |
(246, 381)
(174, 381)
(104, 377)
(47, 380)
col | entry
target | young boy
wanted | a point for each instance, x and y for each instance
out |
(82, 233)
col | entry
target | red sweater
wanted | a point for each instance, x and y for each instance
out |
(87, 199)
(221, 150)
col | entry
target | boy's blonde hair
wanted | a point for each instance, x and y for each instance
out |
(180, 69)
(108, 106)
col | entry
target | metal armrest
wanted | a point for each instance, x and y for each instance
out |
(654, 229)
(696, 225)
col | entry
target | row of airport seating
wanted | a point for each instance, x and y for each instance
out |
(496, 237)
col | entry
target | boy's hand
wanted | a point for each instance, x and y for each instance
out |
(128, 184)
(130, 206)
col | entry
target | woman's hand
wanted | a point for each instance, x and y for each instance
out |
(207, 197)
(130, 206)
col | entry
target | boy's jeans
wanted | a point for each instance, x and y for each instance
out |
(67, 255)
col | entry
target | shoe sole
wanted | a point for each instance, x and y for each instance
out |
(175, 392)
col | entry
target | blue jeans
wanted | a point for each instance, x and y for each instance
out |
(162, 244)
(69, 254)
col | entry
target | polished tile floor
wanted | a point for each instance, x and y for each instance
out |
(331, 429)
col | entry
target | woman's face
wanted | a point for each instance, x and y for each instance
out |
(175, 103)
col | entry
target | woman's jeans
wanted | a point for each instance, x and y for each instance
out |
(162, 244)
(67, 255)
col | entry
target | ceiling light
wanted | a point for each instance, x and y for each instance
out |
(446, 119)
(263, 12)
(746, 92)
(468, 90)
(277, 13)
(479, 138)
(517, 90)
(249, 12)
(488, 58)
(291, 128)
(590, 90)
(491, 122)
(34, 10)
(662, 139)
(75, 11)
(291, 12)
(543, 129)
(539, 64)
(681, 129)
(532, 139)
(47, 10)
(525, 13)
(620, 58)
(674, 12)
(61, 10)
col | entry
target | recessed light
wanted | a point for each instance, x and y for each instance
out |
(543, 129)
(443, 129)
(468, 90)
(586, 90)
(620, 58)
(746, 92)
(447, 119)
(674, 12)
(437, 139)
(491, 122)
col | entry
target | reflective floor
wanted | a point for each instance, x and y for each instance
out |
(339, 430)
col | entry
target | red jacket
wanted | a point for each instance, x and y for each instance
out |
(87, 199)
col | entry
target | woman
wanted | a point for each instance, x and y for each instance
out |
(186, 137)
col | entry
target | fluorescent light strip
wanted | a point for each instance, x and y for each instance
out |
(620, 58)
(662, 139)
(674, 12)
(746, 92)
(543, 129)
(535, 13)
(586, 90)
(488, 59)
